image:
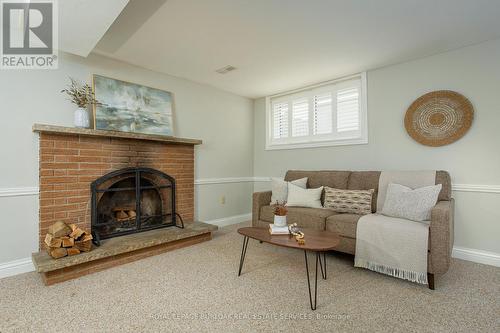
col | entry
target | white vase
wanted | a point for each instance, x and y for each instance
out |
(82, 118)
(280, 221)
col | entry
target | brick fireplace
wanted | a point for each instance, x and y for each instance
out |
(71, 159)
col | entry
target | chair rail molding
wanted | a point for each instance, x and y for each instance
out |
(481, 188)
(476, 188)
(34, 190)
(18, 191)
(208, 181)
(228, 180)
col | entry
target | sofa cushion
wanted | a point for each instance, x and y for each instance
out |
(304, 217)
(344, 224)
(406, 203)
(304, 197)
(335, 179)
(348, 201)
(365, 180)
(279, 189)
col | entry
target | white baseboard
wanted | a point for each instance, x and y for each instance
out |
(16, 267)
(483, 257)
(231, 220)
(479, 256)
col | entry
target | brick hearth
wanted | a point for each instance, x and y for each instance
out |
(69, 162)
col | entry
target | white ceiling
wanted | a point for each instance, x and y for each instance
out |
(279, 45)
(82, 23)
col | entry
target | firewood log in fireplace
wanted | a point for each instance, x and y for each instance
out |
(67, 240)
(123, 214)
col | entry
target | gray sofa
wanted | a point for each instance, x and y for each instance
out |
(441, 227)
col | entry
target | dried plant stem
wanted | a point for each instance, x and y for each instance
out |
(80, 94)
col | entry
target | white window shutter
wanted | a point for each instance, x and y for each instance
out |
(348, 110)
(300, 117)
(332, 113)
(280, 120)
(322, 113)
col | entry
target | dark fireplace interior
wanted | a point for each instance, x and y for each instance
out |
(132, 200)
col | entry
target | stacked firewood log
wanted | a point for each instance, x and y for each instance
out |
(67, 240)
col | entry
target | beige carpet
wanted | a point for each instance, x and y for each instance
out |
(197, 289)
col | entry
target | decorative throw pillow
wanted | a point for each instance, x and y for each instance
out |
(349, 201)
(279, 188)
(404, 202)
(301, 197)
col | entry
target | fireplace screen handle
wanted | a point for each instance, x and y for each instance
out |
(182, 222)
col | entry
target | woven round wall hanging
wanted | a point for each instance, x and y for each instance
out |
(439, 118)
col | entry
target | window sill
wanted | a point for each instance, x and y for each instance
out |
(346, 142)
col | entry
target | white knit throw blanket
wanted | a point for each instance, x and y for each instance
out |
(394, 246)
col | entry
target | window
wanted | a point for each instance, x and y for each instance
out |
(280, 120)
(329, 114)
(300, 117)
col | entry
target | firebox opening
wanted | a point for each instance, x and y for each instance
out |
(132, 200)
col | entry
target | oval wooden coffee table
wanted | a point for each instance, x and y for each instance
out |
(316, 241)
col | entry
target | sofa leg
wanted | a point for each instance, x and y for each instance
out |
(430, 280)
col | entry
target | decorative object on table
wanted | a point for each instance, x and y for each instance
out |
(301, 197)
(297, 233)
(439, 118)
(280, 214)
(82, 96)
(300, 239)
(64, 240)
(131, 107)
(348, 201)
(275, 230)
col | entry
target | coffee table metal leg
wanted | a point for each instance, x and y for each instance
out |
(313, 305)
(322, 265)
(243, 253)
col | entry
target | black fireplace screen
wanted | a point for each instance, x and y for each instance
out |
(132, 200)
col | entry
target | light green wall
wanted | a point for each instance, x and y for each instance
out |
(475, 159)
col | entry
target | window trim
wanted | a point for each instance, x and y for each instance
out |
(319, 141)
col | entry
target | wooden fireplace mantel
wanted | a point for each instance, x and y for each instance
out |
(52, 129)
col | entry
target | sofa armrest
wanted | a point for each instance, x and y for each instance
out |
(259, 199)
(441, 236)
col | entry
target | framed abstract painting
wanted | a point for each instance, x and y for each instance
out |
(130, 107)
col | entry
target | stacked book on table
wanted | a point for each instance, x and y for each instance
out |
(275, 230)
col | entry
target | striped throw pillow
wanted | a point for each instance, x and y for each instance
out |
(348, 201)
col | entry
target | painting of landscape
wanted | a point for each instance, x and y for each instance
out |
(130, 107)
